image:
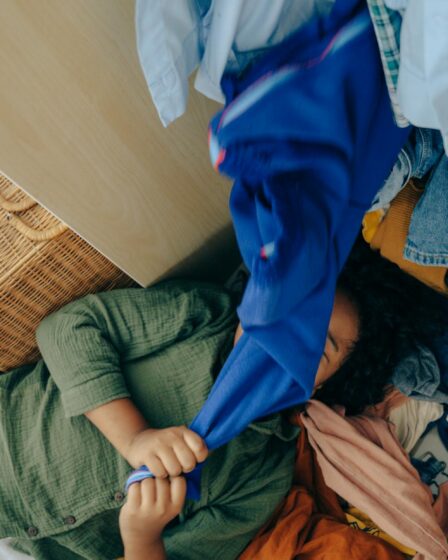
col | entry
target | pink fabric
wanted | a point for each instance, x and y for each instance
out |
(362, 461)
(393, 399)
(441, 507)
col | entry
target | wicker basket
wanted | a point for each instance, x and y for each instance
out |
(43, 265)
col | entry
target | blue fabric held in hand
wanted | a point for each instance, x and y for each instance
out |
(308, 135)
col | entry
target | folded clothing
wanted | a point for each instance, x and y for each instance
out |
(411, 419)
(419, 374)
(420, 153)
(390, 238)
(409, 416)
(427, 240)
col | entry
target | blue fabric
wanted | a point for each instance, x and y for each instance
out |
(424, 373)
(138, 475)
(428, 469)
(427, 241)
(308, 135)
(419, 374)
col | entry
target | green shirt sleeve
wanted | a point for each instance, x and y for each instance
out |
(84, 343)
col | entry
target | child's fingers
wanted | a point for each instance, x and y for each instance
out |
(196, 444)
(170, 461)
(178, 489)
(148, 492)
(134, 497)
(162, 492)
(185, 456)
(157, 467)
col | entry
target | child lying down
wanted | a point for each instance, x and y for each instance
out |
(124, 372)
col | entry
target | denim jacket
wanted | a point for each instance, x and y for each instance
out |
(418, 155)
(427, 241)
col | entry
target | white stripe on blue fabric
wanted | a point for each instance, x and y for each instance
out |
(261, 87)
(254, 93)
(356, 27)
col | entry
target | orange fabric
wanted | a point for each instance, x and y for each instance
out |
(390, 238)
(311, 523)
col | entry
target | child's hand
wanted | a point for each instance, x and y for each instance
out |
(167, 452)
(150, 506)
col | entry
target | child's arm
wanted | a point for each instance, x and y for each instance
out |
(85, 345)
(167, 452)
(150, 506)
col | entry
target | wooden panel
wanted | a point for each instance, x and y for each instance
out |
(79, 133)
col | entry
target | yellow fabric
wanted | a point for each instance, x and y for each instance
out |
(390, 237)
(371, 223)
(359, 520)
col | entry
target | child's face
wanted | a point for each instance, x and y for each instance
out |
(342, 333)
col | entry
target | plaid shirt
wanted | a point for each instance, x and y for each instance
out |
(387, 25)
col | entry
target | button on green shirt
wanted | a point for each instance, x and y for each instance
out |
(61, 481)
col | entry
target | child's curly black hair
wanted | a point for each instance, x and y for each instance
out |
(396, 312)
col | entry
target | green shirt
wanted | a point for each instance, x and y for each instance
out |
(61, 483)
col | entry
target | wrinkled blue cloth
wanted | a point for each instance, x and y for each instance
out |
(424, 373)
(308, 135)
(429, 469)
(427, 240)
(419, 374)
(418, 155)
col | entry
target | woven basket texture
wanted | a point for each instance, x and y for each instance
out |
(43, 266)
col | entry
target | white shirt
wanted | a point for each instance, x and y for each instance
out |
(174, 38)
(423, 75)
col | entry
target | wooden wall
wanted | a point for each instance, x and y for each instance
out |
(79, 133)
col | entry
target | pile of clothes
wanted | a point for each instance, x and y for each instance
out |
(407, 221)
(353, 473)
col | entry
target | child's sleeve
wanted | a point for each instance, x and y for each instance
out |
(84, 343)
